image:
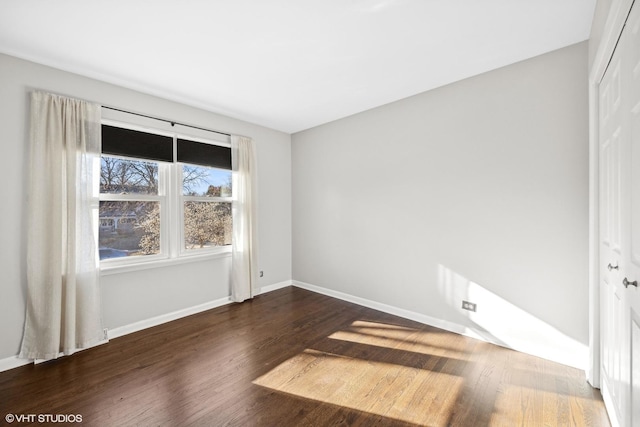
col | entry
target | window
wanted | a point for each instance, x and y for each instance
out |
(206, 207)
(162, 196)
(130, 206)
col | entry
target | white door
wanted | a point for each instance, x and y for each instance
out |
(611, 291)
(630, 267)
(620, 227)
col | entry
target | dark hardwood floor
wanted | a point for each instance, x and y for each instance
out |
(293, 357)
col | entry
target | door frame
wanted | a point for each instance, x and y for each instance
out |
(618, 12)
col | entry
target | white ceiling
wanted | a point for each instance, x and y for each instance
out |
(287, 64)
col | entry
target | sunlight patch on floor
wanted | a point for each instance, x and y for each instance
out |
(387, 389)
(398, 337)
(532, 402)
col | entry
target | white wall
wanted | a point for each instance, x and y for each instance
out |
(477, 190)
(141, 295)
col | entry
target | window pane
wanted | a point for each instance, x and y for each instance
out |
(120, 176)
(129, 229)
(205, 181)
(207, 224)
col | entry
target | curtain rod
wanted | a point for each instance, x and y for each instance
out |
(173, 123)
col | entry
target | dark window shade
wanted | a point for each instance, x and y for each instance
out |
(132, 143)
(204, 154)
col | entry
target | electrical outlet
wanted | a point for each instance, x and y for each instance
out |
(471, 306)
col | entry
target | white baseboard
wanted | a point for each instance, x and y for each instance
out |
(164, 318)
(438, 323)
(275, 286)
(385, 308)
(13, 362)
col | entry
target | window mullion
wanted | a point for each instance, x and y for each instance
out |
(107, 197)
(169, 225)
(207, 199)
(180, 237)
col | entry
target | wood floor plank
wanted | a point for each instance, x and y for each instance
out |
(295, 358)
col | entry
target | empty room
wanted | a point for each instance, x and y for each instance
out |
(314, 213)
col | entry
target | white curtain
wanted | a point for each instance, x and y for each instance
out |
(244, 263)
(63, 297)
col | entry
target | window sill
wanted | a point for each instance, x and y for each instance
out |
(107, 270)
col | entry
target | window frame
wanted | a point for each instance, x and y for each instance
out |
(172, 235)
(162, 198)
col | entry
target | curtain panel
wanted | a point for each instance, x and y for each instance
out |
(244, 262)
(63, 298)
